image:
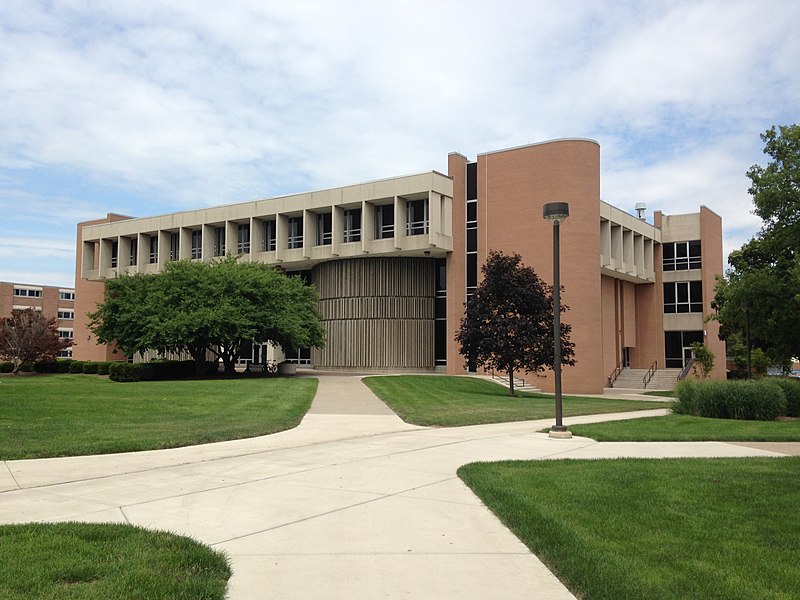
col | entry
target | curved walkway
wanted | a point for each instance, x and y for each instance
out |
(354, 503)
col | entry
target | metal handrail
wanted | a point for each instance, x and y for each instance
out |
(685, 370)
(650, 372)
(614, 374)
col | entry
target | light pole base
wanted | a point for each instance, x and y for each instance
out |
(559, 432)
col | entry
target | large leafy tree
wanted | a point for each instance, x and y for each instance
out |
(27, 335)
(508, 325)
(764, 277)
(203, 307)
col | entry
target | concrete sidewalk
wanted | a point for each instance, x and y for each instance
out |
(353, 503)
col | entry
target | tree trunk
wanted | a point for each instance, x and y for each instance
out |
(511, 382)
(230, 365)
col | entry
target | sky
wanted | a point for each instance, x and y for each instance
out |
(145, 108)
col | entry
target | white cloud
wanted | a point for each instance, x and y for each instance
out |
(165, 106)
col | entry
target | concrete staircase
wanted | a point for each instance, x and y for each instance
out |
(519, 384)
(663, 379)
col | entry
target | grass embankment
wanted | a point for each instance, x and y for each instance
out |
(686, 428)
(642, 529)
(71, 415)
(106, 562)
(456, 401)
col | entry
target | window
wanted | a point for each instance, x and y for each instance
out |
(197, 243)
(295, 238)
(66, 314)
(114, 254)
(681, 256)
(472, 247)
(65, 334)
(174, 246)
(134, 251)
(324, 229)
(270, 237)
(66, 295)
(66, 353)
(243, 239)
(417, 220)
(219, 241)
(678, 347)
(384, 221)
(27, 293)
(352, 225)
(683, 297)
(440, 314)
(153, 249)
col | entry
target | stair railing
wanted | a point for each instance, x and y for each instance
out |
(650, 372)
(614, 374)
(685, 370)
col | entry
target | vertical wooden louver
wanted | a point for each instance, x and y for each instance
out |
(378, 313)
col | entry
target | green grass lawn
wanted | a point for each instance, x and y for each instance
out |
(644, 529)
(82, 561)
(70, 415)
(686, 428)
(454, 401)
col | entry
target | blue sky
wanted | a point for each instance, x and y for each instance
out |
(145, 108)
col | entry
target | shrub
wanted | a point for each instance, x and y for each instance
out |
(46, 366)
(124, 372)
(761, 400)
(76, 366)
(62, 366)
(791, 389)
(90, 368)
(172, 369)
(102, 368)
(27, 367)
(6, 367)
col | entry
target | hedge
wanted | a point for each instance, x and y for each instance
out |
(791, 389)
(76, 366)
(754, 400)
(6, 367)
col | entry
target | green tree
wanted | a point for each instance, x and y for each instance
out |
(208, 307)
(703, 359)
(765, 272)
(27, 335)
(508, 325)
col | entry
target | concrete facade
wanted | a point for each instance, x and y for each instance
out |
(395, 260)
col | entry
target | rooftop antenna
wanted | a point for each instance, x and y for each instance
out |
(640, 208)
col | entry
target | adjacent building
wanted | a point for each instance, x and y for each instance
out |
(395, 260)
(55, 302)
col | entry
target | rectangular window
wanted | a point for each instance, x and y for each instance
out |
(243, 239)
(324, 229)
(65, 334)
(66, 314)
(219, 241)
(27, 293)
(681, 256)
(683, 297)
(384, 221)
(295, 232)
(64, 295)
(352, 225)
(417, 217)
(134, 251)
(440, 314)
(153, 249)
(114, 254)
(472, 181)
(174, 246)
(270, 237)
(197, 243)
(678, 347)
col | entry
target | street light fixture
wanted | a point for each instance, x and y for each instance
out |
(746, 309)
(557, 212)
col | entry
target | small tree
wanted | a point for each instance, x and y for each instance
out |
(508, 325)
(703, 359)
(27, 335)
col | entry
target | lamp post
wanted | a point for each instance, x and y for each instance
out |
(746, 309)
(557, 212)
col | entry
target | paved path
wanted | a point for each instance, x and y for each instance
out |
(351, 504)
